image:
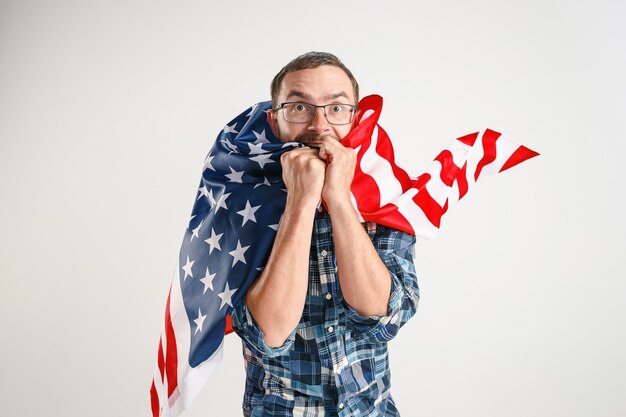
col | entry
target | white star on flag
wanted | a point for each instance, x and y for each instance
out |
(231, 128)
(248, 213)
(235, 176)
(187, 268)
(231, 146)
(237, 254)
(214, 241)
(263, 159)
(260, 137)
(194, 232)
(226, 296)
(199, 321)
(207, 281)
(265, 182)
(256, 149)
(221, 202)
(207, 163)
(204, 192)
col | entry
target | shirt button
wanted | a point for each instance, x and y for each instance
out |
(324, 253)
(330, 329)
(328, 296)
(341, 406)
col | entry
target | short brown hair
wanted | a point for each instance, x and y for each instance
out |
(307, 61)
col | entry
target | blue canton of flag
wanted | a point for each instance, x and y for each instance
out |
(233, 225)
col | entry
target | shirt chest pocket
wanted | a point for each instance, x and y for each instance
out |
(305, 367)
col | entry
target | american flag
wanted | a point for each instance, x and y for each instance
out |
(237, 211)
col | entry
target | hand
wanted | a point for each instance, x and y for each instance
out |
(340, 165)
(303, 174)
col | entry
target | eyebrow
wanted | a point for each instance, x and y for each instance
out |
(305, 96)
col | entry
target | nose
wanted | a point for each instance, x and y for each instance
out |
(319, 124)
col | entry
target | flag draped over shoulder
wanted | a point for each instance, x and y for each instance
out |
(236, 215)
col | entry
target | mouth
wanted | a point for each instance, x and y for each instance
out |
(312, 140)
(313, 143)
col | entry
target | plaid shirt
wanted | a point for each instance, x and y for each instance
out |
(335, 363)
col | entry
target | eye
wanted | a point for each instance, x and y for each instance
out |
(336, 108)
(299, 107)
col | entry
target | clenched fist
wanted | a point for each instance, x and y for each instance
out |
(303, 174)
(340, 165)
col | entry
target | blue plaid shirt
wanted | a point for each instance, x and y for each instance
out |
(335, 363)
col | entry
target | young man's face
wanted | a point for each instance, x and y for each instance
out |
(326, 84)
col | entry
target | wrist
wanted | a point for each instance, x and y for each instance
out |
(341, 204)
(303, 204)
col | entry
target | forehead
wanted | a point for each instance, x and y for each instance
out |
(325, 82)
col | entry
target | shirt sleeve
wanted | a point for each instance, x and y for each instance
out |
(396, 249)
(249, 331)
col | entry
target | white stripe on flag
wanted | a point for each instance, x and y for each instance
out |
(474, 156)
(160, 382)
(505, 147)
(415, 216)
(459, 152)
(190, 380)
(380, 169)
(436, 188)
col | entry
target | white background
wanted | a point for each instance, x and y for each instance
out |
(107, 110)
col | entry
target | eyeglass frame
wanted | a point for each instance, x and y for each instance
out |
(281, 106)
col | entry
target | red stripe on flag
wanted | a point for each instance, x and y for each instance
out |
(229, 325)
(364, 187)
(489, 146)
(363, 130)
(161, 360)
(384, 148)
(389, 216)
(154, 401)
(469, 140)
(520, 155)
(429, 205)
(421, 181)
(367, 193)
(462, 181)
(449, 171)
(171, 354)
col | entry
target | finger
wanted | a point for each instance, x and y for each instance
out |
(294, 153)
(326, 154)
(329, 148)
(323, 153)
(310, 153)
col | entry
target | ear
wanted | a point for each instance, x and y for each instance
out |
(271, 119)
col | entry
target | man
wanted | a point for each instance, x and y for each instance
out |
(316, 322)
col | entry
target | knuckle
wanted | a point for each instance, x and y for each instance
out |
(289, 156)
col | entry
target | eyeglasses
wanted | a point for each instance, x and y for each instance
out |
(336, 114)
